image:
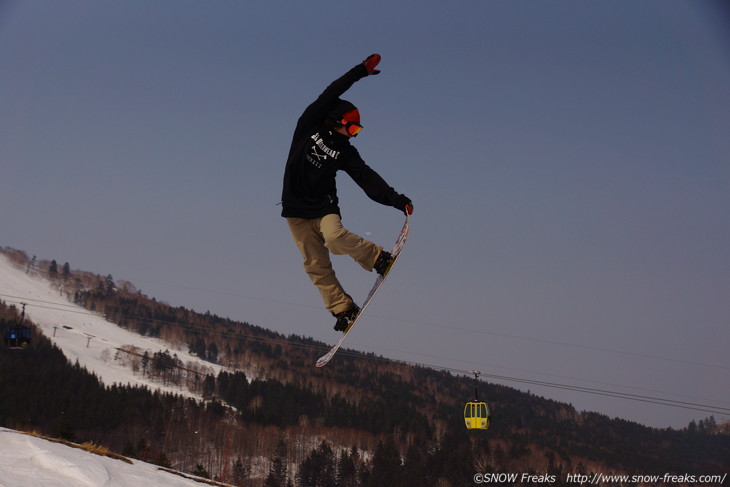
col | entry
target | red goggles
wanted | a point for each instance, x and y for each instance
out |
(353, 128)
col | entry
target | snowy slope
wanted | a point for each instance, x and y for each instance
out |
(83, 335)
(27, 461)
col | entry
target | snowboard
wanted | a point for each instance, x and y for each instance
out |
(397, 248)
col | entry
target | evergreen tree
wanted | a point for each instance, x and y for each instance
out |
(197, 347)
(212, 353)
(109, 285)
(347, 469)
(208, 386)
(241, 471)
(277, 471)
(145, 362)
(387, 466)
(454, 460)
(318, 469)
(414, 468)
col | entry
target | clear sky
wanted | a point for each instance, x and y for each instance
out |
(569, 163)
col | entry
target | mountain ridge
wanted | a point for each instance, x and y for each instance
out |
(265, 383)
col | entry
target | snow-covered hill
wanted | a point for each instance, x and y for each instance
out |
(29, 461)
(86, 336)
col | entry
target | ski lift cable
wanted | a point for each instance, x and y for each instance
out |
(464, 330)
(438, 367)
(601, 392)
(506, 378)
(491, 366)
(556, 342)
(451, 327)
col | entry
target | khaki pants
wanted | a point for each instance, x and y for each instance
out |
(316, 238)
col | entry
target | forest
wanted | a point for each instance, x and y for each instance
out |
(271, 419)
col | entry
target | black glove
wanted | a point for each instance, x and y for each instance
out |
(404, 203)
(371, 62)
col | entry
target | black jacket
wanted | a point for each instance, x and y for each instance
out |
(318, 152)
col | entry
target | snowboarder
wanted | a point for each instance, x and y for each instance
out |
(320, 147)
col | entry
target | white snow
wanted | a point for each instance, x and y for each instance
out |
(28, 461)
(83, 335)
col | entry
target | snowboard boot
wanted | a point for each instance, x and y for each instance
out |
(345, 319)
(384, 263)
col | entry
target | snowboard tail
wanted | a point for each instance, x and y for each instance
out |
(397, 248)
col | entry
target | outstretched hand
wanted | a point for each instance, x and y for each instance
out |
(371, 62)
(404, 203)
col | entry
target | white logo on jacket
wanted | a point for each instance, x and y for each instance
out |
(320, 152)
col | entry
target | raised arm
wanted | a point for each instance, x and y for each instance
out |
(316, 112)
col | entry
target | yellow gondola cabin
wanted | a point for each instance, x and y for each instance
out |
(476, 415)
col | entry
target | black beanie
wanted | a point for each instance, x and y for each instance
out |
(338, 108)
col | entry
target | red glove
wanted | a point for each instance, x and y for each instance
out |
(404, 203)
(371, 62)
